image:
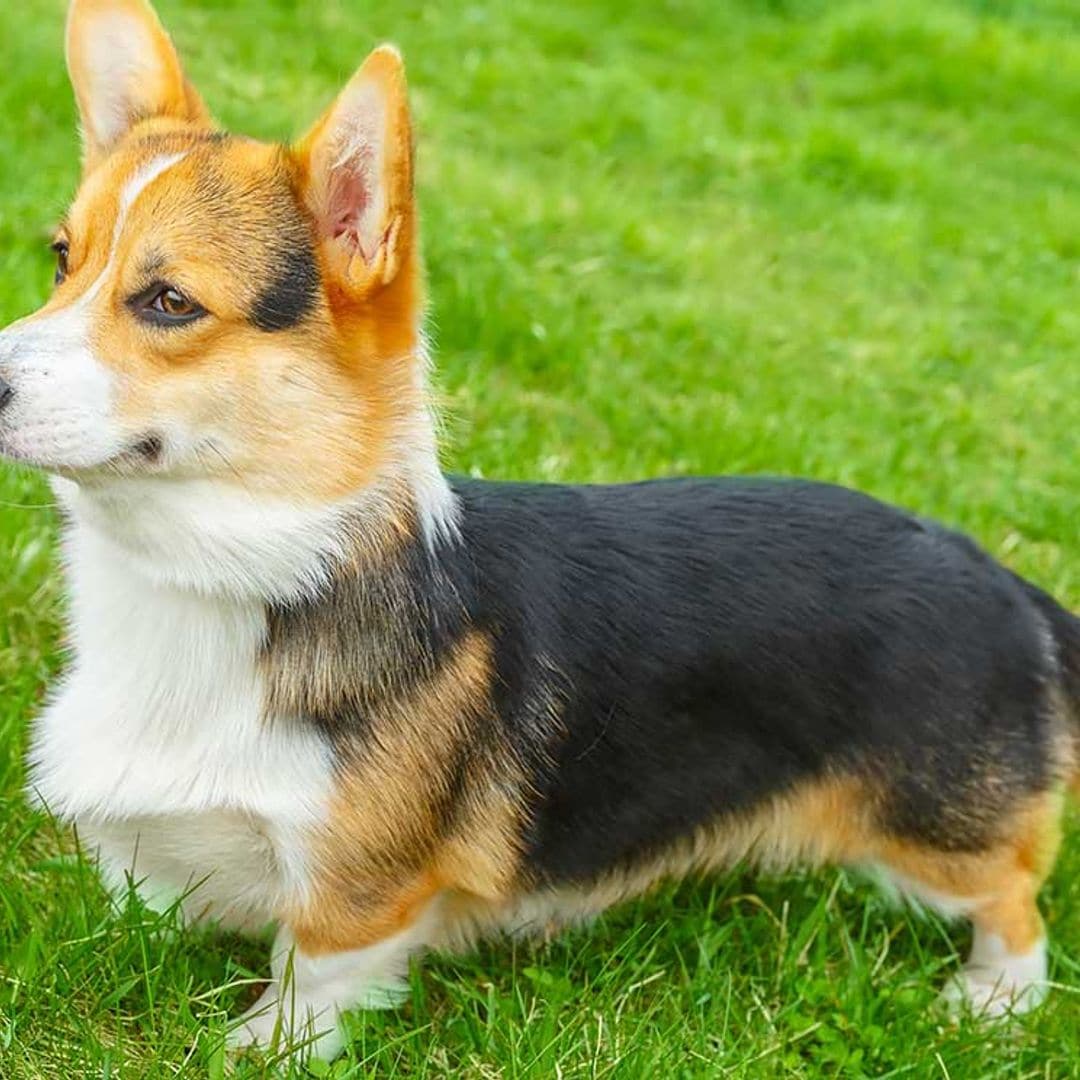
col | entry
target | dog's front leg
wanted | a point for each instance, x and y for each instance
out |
(299, 1011)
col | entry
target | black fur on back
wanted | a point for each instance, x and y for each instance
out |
(712, 642)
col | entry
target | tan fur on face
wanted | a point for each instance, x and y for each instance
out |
(311, 413)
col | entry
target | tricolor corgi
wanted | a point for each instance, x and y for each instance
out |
(318, 684)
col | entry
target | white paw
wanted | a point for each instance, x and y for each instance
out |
(301, 1033)
(991, 993)
(259, 1026)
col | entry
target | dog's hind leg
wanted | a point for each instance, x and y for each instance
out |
(1006, 971)
(996, 889)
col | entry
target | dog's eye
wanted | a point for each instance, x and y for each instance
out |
(164, 305)
(173, 303)
(61, 249)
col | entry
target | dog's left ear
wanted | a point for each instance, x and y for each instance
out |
(357, 172)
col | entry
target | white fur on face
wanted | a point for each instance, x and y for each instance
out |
(62, 414)
(63, 396)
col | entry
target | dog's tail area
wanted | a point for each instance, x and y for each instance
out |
(1065, 628)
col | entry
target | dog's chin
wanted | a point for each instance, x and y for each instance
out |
(137, 457)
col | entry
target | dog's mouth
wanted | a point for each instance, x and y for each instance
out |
(148, 449)
(143, 452)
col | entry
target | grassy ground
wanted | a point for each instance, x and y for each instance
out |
(834, 239)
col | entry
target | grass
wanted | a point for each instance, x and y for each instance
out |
(788, 236)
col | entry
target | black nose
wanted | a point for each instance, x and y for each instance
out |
(6, 393)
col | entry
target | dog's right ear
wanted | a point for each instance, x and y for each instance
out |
(124, 69)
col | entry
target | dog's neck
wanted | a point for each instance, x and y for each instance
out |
(218, 539)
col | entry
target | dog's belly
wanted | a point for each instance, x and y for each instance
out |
(219, 866)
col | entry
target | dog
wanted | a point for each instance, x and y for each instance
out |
(316, 683)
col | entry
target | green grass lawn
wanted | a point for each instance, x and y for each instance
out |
(832, 239)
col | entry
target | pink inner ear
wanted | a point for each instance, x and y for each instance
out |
(350, 195)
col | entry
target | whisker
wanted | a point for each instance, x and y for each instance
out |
(27, 506)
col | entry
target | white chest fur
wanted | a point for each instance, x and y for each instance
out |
(157, 747)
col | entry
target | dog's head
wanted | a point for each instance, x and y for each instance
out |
(224, 309)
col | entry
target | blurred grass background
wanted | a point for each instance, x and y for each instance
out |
(833, 239)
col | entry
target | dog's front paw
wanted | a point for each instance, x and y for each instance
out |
(259, 1027)
(298, 1031)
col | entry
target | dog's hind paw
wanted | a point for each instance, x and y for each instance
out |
(992, 992)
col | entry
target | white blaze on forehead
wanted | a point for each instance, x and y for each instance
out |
(136, 184)
(141, 179)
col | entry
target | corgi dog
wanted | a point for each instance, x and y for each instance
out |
(317, 684)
